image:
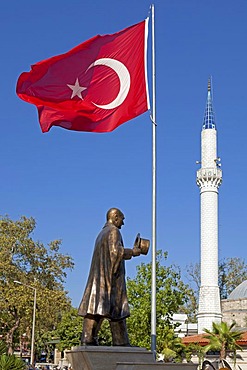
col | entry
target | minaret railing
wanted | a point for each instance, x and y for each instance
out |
(209, 177)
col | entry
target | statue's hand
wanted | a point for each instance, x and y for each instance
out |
(136, 252)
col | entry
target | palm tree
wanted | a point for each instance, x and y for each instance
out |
(223, 338)
(3, 348)
(9, 362)
(173, 348)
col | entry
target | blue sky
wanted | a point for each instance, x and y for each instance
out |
(68, 180)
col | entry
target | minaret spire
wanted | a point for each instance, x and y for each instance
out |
(209, 178)
(209, 117)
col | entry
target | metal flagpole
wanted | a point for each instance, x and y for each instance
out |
(153, 293)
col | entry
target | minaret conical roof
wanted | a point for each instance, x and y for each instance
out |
(209, 118)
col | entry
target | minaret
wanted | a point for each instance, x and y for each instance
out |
(209, 178)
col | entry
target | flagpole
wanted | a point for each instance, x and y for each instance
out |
(153, 290)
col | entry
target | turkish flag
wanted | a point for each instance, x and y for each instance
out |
(96, 86)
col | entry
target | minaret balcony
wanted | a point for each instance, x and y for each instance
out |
(209, 177)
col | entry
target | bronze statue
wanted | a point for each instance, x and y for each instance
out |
(105, 294)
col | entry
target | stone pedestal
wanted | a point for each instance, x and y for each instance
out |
(106, 358)
(118, 358)
(155, 366)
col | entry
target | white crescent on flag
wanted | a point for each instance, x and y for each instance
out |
(124, 78)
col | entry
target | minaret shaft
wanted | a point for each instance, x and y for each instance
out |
(208, 148)
(209, 238)
(209, 178)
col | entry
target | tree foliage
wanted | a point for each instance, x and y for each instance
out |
(171, 296)
(34, 265)
(69, 329)
(104, 335)
(9, 362)
(223, 338)
(232, 271)
(173, 348)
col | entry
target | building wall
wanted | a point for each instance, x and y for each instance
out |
(235, 310)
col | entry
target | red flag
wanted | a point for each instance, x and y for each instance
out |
(96, 86)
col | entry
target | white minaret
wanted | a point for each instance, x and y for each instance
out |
(209, 178)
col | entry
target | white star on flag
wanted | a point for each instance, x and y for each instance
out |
(76, 89)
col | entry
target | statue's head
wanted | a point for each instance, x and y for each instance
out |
(115, 217)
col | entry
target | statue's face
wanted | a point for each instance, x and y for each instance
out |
(119, 220)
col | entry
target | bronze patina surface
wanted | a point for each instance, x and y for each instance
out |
(105, 294)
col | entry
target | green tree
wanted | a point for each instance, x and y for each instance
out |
(69, 330)
(232, 271)
(173, 348)
(33, 264)
(104, 336)
(171, 295)
(195, 349)
(223, 338)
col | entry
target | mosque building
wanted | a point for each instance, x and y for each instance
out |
(234, 308)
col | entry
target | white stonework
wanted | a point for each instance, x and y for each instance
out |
(209, 178)
(235, 310)
(208, 148)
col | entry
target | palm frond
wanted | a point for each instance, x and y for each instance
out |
(11, 363)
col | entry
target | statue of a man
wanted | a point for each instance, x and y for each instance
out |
(105, 294)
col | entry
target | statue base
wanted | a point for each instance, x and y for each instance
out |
(106, 358)
(118, 358)
(155, 366)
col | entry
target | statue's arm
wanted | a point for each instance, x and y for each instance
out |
(131, 252)
(117, 249)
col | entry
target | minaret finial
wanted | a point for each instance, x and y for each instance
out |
(209, 119)
(209, 84)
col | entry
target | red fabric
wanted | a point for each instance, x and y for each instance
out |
(118, 79)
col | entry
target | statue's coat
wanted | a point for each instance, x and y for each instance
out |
(105, 292)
